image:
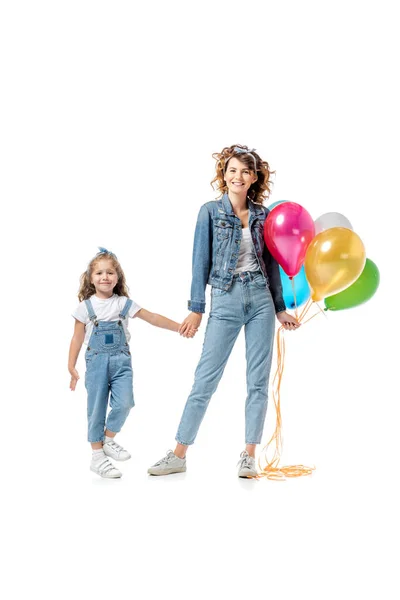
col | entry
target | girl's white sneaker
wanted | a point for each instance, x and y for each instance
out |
(115, 451)
(105, 468)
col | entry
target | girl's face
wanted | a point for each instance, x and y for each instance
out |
(238, 177)
(104, 277)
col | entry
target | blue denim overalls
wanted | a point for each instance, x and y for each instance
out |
(108, 372)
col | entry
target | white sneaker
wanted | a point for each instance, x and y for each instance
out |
(115, 451)
(247, 465)
(167, 465)
(105, 468)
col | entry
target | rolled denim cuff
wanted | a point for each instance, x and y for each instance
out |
(199, 307)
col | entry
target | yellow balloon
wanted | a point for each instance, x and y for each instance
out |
(335, 258)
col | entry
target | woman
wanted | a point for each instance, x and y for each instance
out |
(230, 255)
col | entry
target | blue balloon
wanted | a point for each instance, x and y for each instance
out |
(301, 287)
(271, 206)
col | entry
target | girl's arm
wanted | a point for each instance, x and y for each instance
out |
(157, 320)
(74, 349)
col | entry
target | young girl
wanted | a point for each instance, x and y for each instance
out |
(230, 255)
(101, 321)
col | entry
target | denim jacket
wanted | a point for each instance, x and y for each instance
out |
(216, 246)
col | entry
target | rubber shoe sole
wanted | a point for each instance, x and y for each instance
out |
(166, 471)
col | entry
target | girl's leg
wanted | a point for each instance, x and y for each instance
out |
(121, 393)
(121, 402)
(96, 381)
(96, 445)
(97, 387)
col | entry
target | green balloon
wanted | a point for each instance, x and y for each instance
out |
(358, 292)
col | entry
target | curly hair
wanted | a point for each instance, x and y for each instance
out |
(87, 288)
(258, 191)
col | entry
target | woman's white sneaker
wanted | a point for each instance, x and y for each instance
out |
(168, 465)
(115, 451)
(104, 467)
(247, 465)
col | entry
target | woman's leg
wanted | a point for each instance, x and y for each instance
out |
(223, 327)
(220, 337)
(259, 334)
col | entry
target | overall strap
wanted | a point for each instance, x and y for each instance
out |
(92, 314)
(126, 308)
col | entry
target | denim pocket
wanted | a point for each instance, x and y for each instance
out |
(222, 229)
(217, 291)
(108, 339)
(260, 281)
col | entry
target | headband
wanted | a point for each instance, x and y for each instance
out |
(242, 151)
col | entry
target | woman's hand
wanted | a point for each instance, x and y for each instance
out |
(74, 379)
(190, 325)
(287, 320)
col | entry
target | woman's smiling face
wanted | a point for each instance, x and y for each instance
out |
(238, 177)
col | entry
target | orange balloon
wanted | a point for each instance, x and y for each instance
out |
(335, 258)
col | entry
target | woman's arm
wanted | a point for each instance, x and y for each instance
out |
(275, 284)
(201, 261)
(74, 349)
(201, 264)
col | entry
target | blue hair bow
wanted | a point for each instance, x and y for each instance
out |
(105, 251)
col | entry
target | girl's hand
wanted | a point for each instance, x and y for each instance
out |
(74, 379)
(287, 321)
(190, 325)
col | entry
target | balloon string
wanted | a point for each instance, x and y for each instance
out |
(294, 296)
(271, 468)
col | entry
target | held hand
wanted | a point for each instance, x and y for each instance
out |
(74, 379)
(288, 322)
(190, 325)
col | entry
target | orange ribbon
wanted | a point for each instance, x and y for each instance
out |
(271, 468)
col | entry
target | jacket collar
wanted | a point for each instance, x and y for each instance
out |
(255, 209)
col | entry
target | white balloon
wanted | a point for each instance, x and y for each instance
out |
(329, 220)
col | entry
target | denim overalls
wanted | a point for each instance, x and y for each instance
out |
(108, 372)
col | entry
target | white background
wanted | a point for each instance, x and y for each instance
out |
(110, 113)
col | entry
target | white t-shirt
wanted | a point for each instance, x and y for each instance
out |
(247, 260)
(107, 309)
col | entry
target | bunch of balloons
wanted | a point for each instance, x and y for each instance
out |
(323, 259)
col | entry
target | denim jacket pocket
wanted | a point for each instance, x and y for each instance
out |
(222, 229)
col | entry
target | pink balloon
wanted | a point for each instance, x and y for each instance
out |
(288, 231)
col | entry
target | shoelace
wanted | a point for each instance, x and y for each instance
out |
(166, 459)
(245, 461)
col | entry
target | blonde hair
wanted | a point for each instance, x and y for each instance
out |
(259, 190)
(87, 288)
